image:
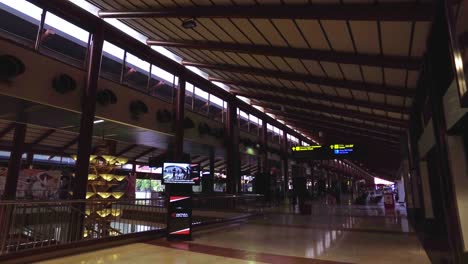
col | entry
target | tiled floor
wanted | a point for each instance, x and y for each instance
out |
(339, 234)
(144, 253)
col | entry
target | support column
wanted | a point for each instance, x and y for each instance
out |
(29, 160)
(264, 180)
(88, 109)
(212, 170)
(232, 149)
(14, 164)
(285, 163)
(179, 114)
(264, 147)
(87, 115)
(208, 181)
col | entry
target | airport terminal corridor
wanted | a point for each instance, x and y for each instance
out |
(330, 234)
(233, 131)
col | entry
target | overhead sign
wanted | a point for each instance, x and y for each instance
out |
(342, 149)
(304, 148)
(332, 151)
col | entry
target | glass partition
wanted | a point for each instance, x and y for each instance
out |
(200, 102)
(277, 135)
(243, 120)
(20, 20)
(64, 39)
(269, 133)
(162, 84)
(136, 72)
(189, 92)
(254, 125)
(112, 62)
(215, 110)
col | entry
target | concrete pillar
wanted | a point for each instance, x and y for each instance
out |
(14, 164)
(285, 163)
(86, 133)
(179, 114)
(87, 115)
(232, 149)
(208, 180)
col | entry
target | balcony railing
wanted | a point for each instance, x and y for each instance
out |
(33, 224)
(27, 225)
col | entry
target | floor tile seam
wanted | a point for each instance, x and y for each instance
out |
(361, 230)
(243, 254)
(342, 215)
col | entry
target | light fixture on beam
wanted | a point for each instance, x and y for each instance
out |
(189, 23)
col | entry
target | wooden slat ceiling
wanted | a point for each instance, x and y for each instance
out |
(64, 142)
(346, 67)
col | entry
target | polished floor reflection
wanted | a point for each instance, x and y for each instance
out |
(330, 234)
(144, 253)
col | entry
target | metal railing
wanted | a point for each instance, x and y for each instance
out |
(32, 224)
(26, 225)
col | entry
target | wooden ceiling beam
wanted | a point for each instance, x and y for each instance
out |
(70, 143)
(125, 150)
(7, 129)
(314, 117)
(346, 133)
(339, 111)
(299, 77)
(80, 17)
(310, 95)
(401, 62)
(357, 12)
(66, 146)
(342, 127)
(146, 152)
(43, 136)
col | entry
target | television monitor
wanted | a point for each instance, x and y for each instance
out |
(181, 173)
